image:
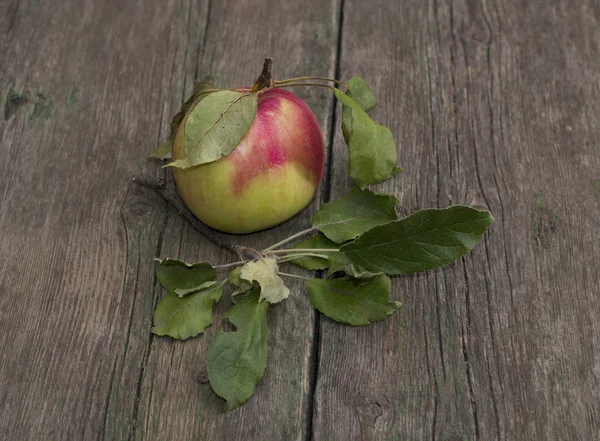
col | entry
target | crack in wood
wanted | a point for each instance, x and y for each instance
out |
(315, 350)
(204, 39)
(431, 374)
(466, 344)
(146, 356)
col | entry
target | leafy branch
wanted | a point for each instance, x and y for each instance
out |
(358, 239)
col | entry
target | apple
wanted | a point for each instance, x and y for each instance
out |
(270, 176)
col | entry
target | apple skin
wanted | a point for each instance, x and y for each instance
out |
(270, 176)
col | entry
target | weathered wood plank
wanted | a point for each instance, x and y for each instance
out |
(83, 88)
(184, 33)
(498, 102)
(494, 104)
(88, 92)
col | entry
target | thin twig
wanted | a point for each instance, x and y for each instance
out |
(159, 186)
(297, 79)
(279, 86)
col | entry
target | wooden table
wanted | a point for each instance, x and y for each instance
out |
(493, 103)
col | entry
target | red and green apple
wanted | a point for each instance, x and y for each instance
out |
(270, 176)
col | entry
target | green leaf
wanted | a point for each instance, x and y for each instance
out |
(186, 317)
(234, 276)
(360, 92)
(371, 147)
(425, 240)
(176, 275)
(163, 151)
(356, 212)
(314, 263)
(235, 279)
(264, 272)
(353, 301)
(339, 262)
(182, 292)
(346, 123)
(200, 91)
(201, 88)
(237, 360)
(216, 125)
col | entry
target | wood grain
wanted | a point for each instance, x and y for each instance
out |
(82, 101)
(89, 91)
(493, 104)
(175, 401)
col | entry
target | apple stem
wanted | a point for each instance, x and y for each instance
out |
(289, 239)
(265, 79)
(159, 186)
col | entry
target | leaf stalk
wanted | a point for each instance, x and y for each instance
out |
(304, 250)
(290, 239)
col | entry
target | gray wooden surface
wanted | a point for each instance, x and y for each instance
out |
(494, 104)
